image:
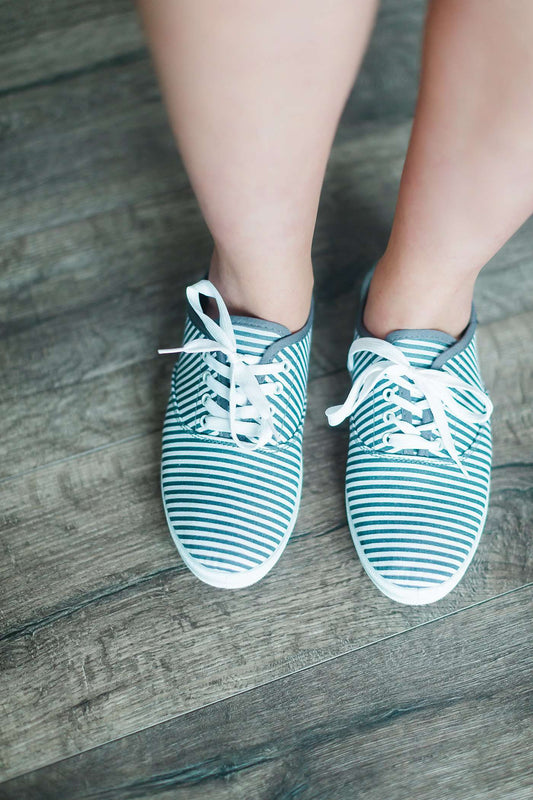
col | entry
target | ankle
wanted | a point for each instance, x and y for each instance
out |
(277, 294)
(417, 298)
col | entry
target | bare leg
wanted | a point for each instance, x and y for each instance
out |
(254, 91)
(468, 178)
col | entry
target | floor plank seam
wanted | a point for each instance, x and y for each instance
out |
(443, 617)
(66, 459)
(89, 215)
(31, 627)
(67, 611)
(136, 436)
(512, 465)
(121, 60)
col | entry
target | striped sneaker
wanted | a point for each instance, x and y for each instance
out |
(418, 472)
(231, 472)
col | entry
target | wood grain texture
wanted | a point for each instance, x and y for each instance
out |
(443, 711)
(49, 40)
(75, 148)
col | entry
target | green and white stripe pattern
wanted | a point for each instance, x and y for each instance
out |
(418, 472)
(231, 469)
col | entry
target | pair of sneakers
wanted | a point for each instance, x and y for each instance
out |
(418, 471)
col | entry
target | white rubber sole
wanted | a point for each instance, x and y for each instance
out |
(234, 580)
(403, 594)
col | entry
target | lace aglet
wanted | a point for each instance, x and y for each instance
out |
(335, 415)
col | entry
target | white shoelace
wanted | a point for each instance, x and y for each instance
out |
(434, 388)
(249, 412)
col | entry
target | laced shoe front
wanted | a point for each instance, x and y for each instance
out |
(418, 471)
(231, 470)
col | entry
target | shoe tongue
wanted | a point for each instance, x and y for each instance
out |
(421, 346)
(254, 336)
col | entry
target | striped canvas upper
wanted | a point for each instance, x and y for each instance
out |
(416, 514)
(230, 509)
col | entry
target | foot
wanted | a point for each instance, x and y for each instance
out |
(231, 470)
(410, 296)
(417, 479)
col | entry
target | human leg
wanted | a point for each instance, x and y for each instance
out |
(254, 91)
(467, 183)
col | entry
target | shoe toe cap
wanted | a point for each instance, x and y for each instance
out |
(414, 542)
(225, 542)
(420, 588)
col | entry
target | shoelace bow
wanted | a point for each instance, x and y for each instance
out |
(435, 387)
(249, 413)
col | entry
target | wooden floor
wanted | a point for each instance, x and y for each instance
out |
(121, 675)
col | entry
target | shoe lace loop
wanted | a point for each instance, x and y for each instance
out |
(249, 413)
(435, 388)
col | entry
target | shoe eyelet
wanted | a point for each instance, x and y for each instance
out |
(386, 439)
(389, 417)
(202, 424)
(278, 388)
(204, 398)
(286, 367)
(387, 394)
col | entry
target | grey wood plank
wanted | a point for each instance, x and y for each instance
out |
(105, 632)
(505, 286)
(72, 268)
(505, 352)
(441, 712)
(88, 145)
(50, 39)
